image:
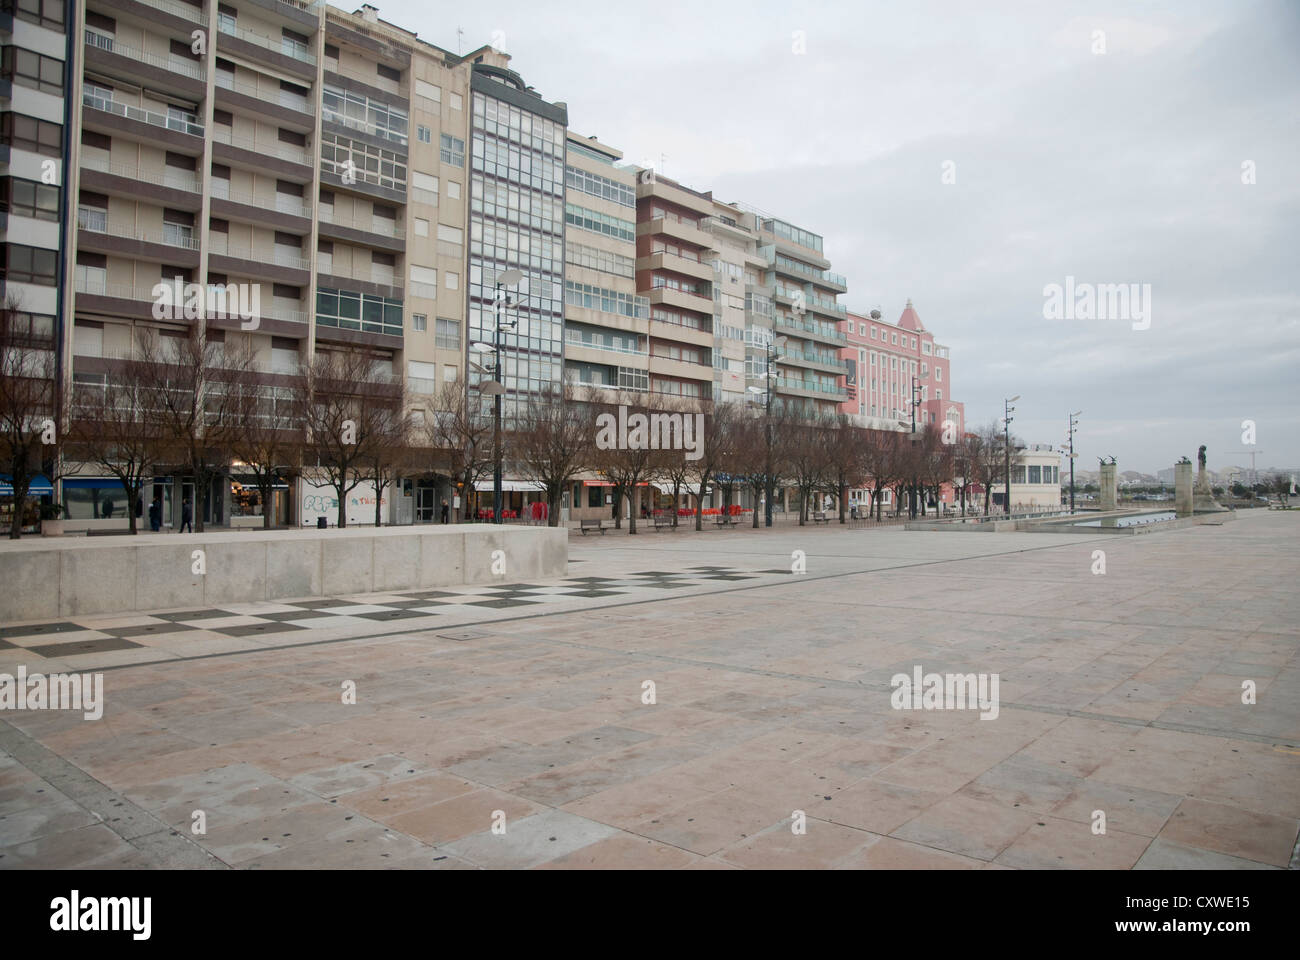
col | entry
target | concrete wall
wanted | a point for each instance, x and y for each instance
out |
(46, 578)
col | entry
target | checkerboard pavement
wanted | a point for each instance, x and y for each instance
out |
(94, 640)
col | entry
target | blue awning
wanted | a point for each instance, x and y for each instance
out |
(40, 486)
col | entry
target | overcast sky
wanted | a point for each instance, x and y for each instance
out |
(1122, 166)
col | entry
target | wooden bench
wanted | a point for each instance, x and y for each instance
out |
(585, 525)
(820, 517)
(661, 522)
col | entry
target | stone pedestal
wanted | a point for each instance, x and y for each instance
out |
(1203, 494)
(1183, 500)
(1109, 491)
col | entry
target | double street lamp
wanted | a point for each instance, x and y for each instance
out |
(768, 376)
(495, 387)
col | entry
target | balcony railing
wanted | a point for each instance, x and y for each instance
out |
(172, 235)
(820, 329)
(124, 291)
(379, 225)
(273, 148)
(168, 177)
(365, 126)
(783, 383)
(170, 62)
(290, 48)
(144, 116)
(283, 98)
(183, 10)
(282, 204)
(259, 256)
(811, 356)
(577, 341)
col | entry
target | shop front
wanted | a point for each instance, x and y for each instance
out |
(247, 508)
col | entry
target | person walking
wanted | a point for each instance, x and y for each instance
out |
(446, 512)
(187, 517)
(155, 515)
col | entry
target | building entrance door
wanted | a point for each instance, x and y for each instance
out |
(424, 504)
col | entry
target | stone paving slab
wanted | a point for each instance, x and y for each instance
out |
(510, 725)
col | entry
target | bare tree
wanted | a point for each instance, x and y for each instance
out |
(551, 441)
(881, 467)
(350, 397)
(387, 451)
(116, 427)
(936, 460)
(29, 428)
(626, 467)
(846, 458)
(268, 430)
(461, 435)
(190, 378)
(717, 450)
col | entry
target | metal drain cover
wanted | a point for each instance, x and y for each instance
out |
(463, 635)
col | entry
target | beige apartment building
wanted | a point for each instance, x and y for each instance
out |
(314, 156)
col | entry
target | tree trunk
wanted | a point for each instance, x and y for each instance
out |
(343, 516)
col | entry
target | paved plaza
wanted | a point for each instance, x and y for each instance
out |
(686, 700)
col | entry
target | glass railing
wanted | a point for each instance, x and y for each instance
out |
(578, 341)
(352, 123)
(820, 329)
(378, 225)
(108, 105)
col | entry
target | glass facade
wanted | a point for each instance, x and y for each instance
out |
(517, 223)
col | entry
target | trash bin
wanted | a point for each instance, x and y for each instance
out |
(320, 523)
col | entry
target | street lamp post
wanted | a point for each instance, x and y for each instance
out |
(508, 279)
(1074, 427)
(915, 404)
(768, 486)
(1006, 448)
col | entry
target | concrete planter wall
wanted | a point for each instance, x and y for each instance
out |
(70, 577)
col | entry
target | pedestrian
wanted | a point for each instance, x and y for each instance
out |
(139, 507)
(155, 515)
(187, 517)
(108, 509)
(446, 511)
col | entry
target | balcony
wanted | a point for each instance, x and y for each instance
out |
(122, 58)
(286, 213)
(811, 329)
(682, 265)
(676, 332)
(261, 155)
(137, 123)
(181, 11)
(695, 302)
(166, 186)
(677, 228)
(90, 220)
(265, 100)
(363, 182)
(114, 299)
(377, 232)
(284, 46)
(810, 389)
(266, 263)
(683, 369)
(813, 360)
(364, 126)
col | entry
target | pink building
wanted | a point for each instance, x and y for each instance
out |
(883, 359)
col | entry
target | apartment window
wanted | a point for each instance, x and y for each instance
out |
(450, 234)
(599, 222)
(360, 112)
(349, 310)
(447, 334)
(30, 69)
(873, 333)
(342, 156)
(938, 394)
(456, 102)
(30, 264)
(453, 190)
(27, 198)
(421, 227)
(28, 133)
(419, 322)
(45, 13)
(423, 134)
(925, 369)
(598, 186)
(938, 373)
(452, 149)
(178, 228)
(388, 73)
(428, 91)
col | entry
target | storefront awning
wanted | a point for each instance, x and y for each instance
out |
(510, 486)
(39, 487)
(690, 488)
